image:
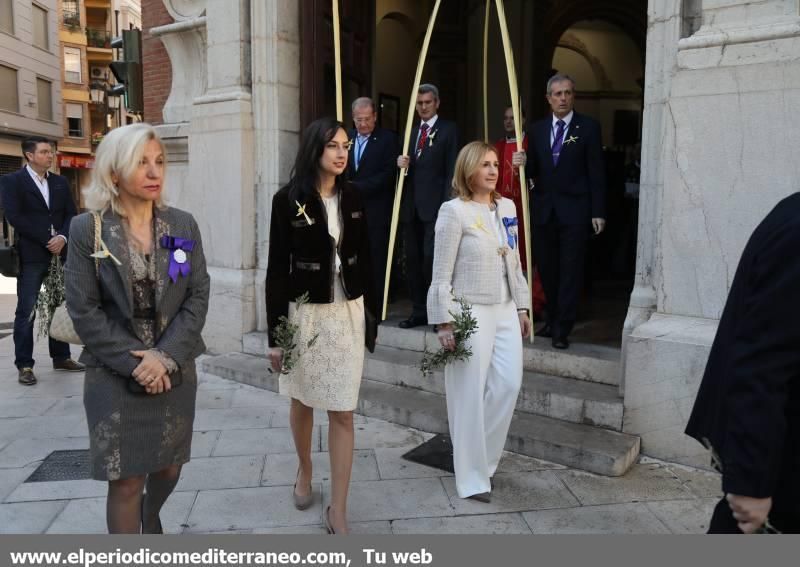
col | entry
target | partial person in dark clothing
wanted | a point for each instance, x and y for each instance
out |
(372, 171)
(748, 406)
(39, 205)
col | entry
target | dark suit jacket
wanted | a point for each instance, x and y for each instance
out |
(748, 405)
(575, 189)
(430, 176)
(27, 211)
(375, 178)
(302, 257)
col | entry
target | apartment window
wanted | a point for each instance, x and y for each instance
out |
(39, 16)
(74, 120)
(72, 65)
(6, 16)
(9, 96)
(44, 91)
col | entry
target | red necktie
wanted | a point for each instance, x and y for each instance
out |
(422, 137)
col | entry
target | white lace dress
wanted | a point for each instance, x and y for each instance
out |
(327, 376)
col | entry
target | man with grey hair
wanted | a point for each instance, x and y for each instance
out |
(372, 171)
(430, 174)
(565, 161)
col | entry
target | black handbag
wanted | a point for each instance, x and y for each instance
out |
(9, 256)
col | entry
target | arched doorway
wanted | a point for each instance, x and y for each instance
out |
(600, 42)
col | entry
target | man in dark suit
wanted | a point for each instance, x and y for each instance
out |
(372, 170)
(565, 162)
(39, 205)
(434, 144)
(748, 406)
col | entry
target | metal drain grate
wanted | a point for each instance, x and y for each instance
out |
(63, 465)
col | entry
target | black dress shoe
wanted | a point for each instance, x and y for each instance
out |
(69, 365)
(412, 322)
(561, 342)
(27, 377)
(546, 332)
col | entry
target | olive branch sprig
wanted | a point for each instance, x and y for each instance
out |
(285, 337)
(50, 296)
(464, 326)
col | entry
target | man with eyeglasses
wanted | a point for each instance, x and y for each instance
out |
(39, 205)
(372, 171)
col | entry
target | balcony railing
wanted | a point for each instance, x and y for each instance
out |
(98, 38)
(71, 19)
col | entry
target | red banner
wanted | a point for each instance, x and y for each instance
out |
(75, 161)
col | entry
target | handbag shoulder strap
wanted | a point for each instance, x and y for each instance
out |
(98, 227)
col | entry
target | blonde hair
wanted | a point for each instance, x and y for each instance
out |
(467, 164)
(118, 155)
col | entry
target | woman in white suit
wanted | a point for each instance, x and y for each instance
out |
(477, 258)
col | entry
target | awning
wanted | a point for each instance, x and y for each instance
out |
(75, 161)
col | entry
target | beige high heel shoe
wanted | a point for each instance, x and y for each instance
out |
(302, 502)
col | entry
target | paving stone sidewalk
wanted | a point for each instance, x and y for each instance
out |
(242, 471)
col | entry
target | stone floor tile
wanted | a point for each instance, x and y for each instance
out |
(58, 490)
(685, 516)
(41, 427)
(249, 508)
(514, 462)
(249, 397)
(29, 517)
(25, 407)
(24, 452)
(232, 418)
(72, 405)
(703, 484)
(221, 472)
(281, 469)
(631, 518)
(392, 465)
(641, 483)
(214, 399)
(260, 441)
(11, 478)
(356, 528)
(396, 499)
(515, 492)
(203, 443)
(88, 515)
(373, 434)
(481, 524)
(63, 385)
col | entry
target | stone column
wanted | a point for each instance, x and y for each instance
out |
(276, 114)
(720, 153)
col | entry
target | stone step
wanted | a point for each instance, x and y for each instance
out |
(591, 363)
(575, 445)
(550, 396)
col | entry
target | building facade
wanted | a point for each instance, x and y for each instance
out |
(30, 76)
(705, 87)
(86, 28)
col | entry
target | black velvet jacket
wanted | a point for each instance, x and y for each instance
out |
(302, 257)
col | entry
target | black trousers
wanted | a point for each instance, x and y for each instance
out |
(559, 250)
(418, 237)
(28, 284)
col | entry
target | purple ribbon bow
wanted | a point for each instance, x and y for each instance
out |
(508, 222)
(179, 263)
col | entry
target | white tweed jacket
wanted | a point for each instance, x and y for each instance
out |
(468, 259)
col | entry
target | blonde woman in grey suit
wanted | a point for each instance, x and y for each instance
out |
(477, 258)
(139, 308)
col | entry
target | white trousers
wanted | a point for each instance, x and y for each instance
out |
(481, 396)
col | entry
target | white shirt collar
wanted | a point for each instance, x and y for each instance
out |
(567, 119)
(36, 177)
(430, 122)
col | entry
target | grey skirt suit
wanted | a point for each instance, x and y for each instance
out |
(136, 306)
